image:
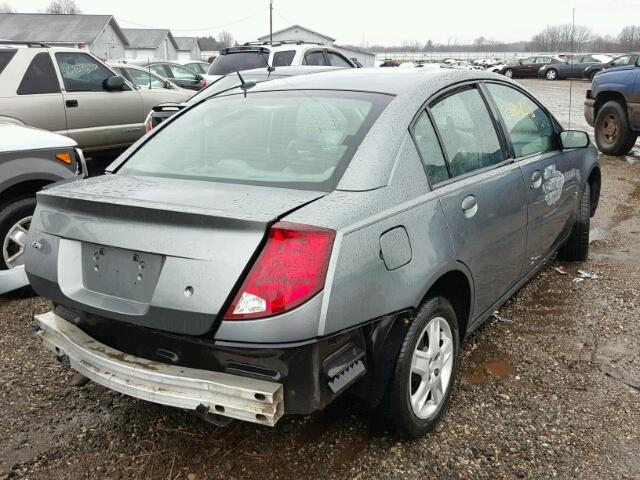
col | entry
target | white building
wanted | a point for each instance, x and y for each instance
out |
(188, 49)
(300, 33)
(151, 43)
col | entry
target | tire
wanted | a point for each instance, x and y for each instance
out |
(577, 247)
(508, 73)
(592, 74)
(396, 407)
(16, 213)
(612, 131)
(552, 74)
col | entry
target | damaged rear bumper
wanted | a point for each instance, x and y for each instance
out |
(232, 396)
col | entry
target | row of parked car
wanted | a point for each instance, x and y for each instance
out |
(554, 68)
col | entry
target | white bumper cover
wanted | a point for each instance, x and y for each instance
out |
(228, 395)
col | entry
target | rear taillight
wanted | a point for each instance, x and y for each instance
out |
(203, 83)
(290, 270)
(148, 123)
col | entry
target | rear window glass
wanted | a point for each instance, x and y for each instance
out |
(293, 139)
(237, 61)
(40, 77)
(5, 58)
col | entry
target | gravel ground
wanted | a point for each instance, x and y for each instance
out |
(555, 393)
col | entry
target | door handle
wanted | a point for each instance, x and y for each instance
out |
(469, 206)
(71, 103)
(536, 179)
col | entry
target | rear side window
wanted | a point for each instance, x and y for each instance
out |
(237, 61)
(283, 59)
(82, 73)
(529, 127)
(337, 60)
(40, 77)
(429, 149)
(314, 58)
(5, 58)
(467, 131)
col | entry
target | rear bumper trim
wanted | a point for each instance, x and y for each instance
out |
(233, 396)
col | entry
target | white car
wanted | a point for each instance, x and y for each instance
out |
(277, 54)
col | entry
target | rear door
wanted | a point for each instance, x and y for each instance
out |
(32, 96)
(527, 68)
(483, 196)
(97, 118)
(549, 173)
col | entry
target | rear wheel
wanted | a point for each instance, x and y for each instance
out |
(508, 73)
(15, 220)
(425, 370)
(552, 74)
(577, 247)
(612, 131)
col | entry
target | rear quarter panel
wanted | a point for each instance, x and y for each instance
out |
(359, 286)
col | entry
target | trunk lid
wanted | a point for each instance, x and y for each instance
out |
(161, 253)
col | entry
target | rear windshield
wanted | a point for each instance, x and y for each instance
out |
(292, 139)
(237, 61)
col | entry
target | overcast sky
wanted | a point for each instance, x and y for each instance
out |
(348, 21)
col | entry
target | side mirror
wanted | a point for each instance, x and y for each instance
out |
(113, 83)
(574, 139)
(168, 85)
(520, 62)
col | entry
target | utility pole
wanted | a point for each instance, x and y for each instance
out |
(271, 22)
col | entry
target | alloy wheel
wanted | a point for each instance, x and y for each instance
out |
(551, 74)
(15, 243)
(431, 368)
(508, 73)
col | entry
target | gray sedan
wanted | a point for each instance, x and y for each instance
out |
(265, 250)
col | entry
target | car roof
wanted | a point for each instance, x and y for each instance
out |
(290, 70)
(392, 81)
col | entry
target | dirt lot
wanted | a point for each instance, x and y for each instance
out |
(556, 393)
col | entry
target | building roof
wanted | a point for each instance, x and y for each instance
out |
(148, 37)
(53, 28)
(356, 50)
(299, 27)
(186, 44)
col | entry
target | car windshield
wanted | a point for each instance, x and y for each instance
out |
(291, 139)
(237, 61)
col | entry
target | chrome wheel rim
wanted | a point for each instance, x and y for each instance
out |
(15, 242)
(431, 368)
(551, 74)
(509, 73)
